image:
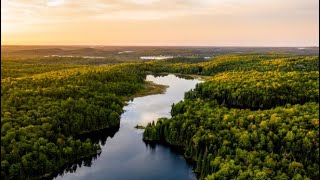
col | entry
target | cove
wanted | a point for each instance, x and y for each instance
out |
(124, 155)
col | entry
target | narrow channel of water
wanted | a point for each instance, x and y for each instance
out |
(124, 155)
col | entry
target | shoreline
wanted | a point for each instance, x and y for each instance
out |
(150, 88)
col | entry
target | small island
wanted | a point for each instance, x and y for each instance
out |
(139, 127)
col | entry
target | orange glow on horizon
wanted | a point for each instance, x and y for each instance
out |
(142, 22)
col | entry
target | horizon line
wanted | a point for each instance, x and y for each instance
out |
(245, 46)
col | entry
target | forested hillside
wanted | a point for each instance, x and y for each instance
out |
(231, 63)
(256, 118)
(44, 106)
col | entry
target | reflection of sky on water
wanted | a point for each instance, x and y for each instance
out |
(125, 156)
(149, 108)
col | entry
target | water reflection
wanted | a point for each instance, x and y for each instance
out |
(124, 154)
(181, 76)
(99, 136)
(72, 167)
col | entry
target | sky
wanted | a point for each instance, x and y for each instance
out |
(160, 22)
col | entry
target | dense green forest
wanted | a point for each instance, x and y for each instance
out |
(45, 106)
(226, 63)
(256, 117)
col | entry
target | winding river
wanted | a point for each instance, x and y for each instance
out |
(124, 155)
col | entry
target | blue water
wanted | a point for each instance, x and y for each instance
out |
(125, 156)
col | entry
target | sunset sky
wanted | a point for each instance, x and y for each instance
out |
(160, 22)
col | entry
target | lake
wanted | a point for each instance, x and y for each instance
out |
(156, 57)
(124, 154)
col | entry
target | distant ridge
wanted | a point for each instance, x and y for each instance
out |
(139, 51)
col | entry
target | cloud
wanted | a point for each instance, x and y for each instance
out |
(55, 2)
(152, 9)
(207, 17)
(30, 14)
(141, 2)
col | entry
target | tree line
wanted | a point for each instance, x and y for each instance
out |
(42, 113)
(255, 118)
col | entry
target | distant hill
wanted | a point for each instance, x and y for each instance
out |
(137, 51)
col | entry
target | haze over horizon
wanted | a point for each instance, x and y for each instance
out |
(265, 23)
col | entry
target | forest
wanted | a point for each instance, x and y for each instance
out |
(255, 117)
(45, 106)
